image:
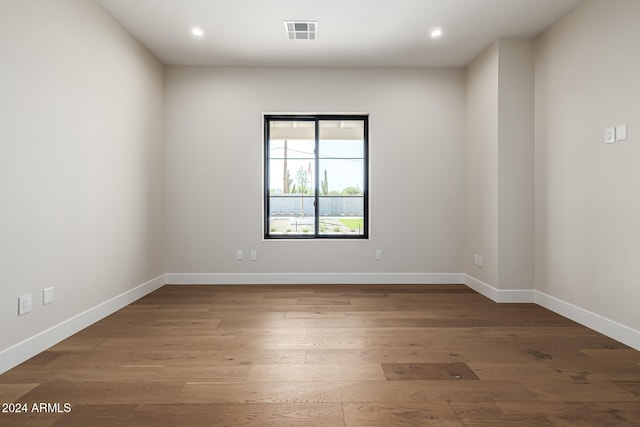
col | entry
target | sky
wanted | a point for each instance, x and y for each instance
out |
(342, 159)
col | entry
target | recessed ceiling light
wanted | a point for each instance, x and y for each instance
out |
(197, 31)
(301, 30)
(436, 33)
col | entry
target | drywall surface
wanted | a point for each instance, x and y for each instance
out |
(500, 190)
(587, 192)
(80, 162)
(214, 149)
(482, 166)
(515, 164)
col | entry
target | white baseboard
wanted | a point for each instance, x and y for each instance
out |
(481, 287)
(500, 295)
(311, 278)
(605, 326)
(28, 348)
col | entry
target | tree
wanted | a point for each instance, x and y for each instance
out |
(303, 178)
(352, 191)
(325, 185)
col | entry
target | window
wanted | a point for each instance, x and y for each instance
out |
(316, 176)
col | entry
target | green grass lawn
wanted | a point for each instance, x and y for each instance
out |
(352, 223)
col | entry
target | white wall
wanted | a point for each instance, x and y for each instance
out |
(500, 132)
(214, 168)
(81, 164)
(516, 164)
(588, 193)
(482, 166)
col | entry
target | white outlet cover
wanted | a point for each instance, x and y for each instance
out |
(621, 132)
(239, 255)
(610, 135)
(47, 296)
(24, 304)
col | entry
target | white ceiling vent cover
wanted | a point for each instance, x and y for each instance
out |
(301, 30)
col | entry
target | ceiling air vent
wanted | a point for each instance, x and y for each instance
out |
(301, 30)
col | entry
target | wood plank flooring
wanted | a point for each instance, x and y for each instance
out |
(328, 355)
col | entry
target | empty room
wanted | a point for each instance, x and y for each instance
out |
(333, 213)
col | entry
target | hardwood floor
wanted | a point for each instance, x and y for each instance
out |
(393, 355)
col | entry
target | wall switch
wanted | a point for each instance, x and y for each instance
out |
(621, 132)
(378, 254)
(239, 255)
(24, 304)
(254, 255)
(610, 135)
(47, 296)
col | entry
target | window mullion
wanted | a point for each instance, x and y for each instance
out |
(316, 200)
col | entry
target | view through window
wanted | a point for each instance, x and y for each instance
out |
(316, 170)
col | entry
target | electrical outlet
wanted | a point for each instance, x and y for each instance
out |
(610, 135)
(621, 132)
(47, 296)
(24, 304)
(378, 254)
(254, 255)
(239, 254)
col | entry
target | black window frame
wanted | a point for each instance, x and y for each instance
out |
(316, 118)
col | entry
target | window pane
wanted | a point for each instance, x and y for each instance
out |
(341, 215)
(291, 149)
(341, 139)
(292, 130)
(291, 215)
(340, 149)
(341, 177)
(299, 177)
(342, 130)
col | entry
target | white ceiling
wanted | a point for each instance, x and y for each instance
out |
(370, 33)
